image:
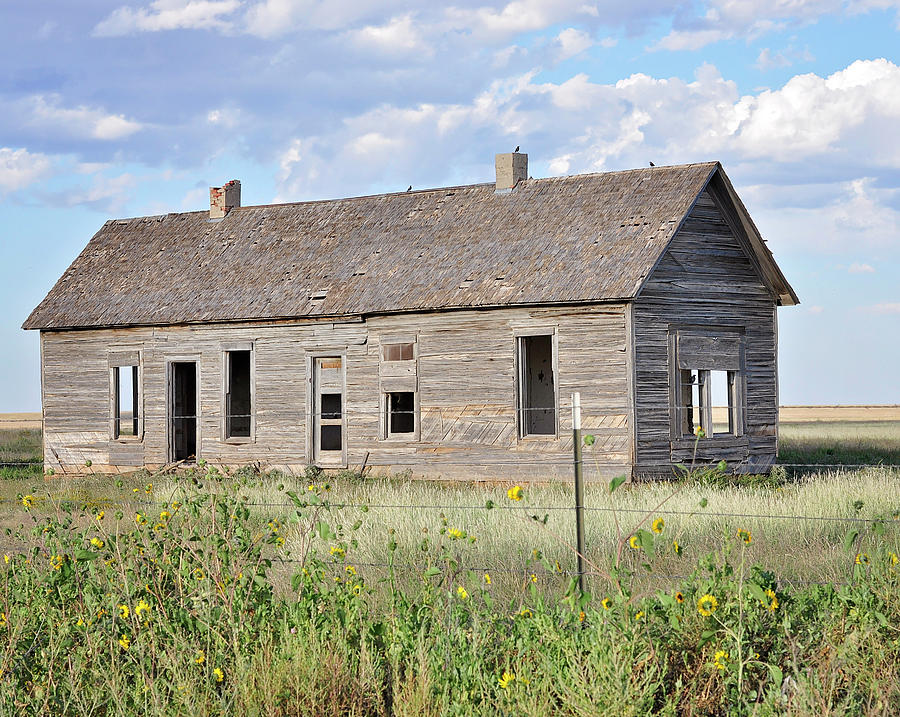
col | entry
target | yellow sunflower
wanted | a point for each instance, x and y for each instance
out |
(707, 605)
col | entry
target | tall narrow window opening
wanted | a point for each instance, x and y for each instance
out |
(691, 401)
(722, 395)
(238, 401)
(126, 402)
(537, 386)
(399, 384)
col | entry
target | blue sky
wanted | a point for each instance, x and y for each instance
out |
(116, 109)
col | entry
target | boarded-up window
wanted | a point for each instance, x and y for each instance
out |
(536, 386)
(125, 401)
(238, 395)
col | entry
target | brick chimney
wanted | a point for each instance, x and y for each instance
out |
(223, 199)
(511, 169)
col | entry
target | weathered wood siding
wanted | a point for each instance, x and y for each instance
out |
(705, 279)
(464, 374)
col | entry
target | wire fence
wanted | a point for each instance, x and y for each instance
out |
(522, 572)
(341, 505)
(604, 420)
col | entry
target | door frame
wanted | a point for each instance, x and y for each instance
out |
(170, 404)
(312, 423)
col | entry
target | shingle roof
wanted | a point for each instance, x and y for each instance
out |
(591, 237)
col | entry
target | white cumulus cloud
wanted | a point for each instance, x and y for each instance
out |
(46, 112)
(857, 268)
(572, 42)
(20, 168)
(397, 37)
(579, 125)
(515, 17)
(168, 15)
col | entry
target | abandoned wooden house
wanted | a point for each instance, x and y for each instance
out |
(440, 331)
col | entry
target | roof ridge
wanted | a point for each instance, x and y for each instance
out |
(476, 185)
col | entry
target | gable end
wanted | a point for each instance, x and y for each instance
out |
(718, 203)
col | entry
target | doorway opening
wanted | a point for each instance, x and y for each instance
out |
(537, 387)
(328, 425)
(183, 411)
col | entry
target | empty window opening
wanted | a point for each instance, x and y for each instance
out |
(537, 388)
(330, 439)
(331, 405)
(709, 401)
(398, 352)
(126, 401)
(184, 410)
(238, 408)
(401, 408)
(722, 390)
(691, 401)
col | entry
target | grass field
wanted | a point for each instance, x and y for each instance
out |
(417, 511)
(393, 614)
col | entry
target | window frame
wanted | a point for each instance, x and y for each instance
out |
(518, 398)
(117, 360)
(411, 343)
(398, 376)
(312, 391)
(736, 376)
(226, 349)
(386, 433)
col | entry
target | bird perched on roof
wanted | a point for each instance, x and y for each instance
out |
(409, 188)
(516, 149)
(652, 165)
